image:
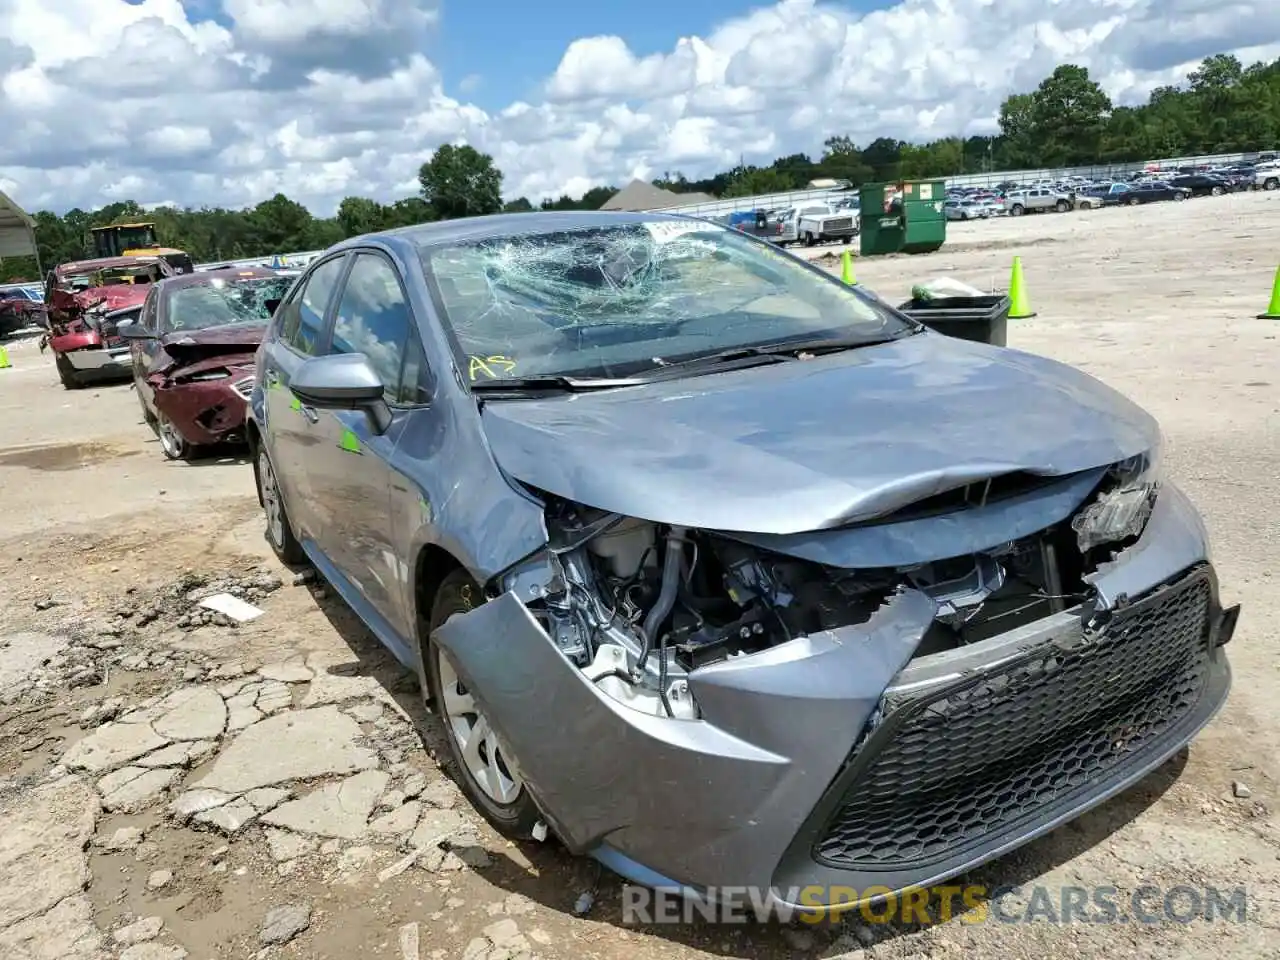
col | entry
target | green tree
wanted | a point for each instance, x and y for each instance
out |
(360, 215)
(1069, 112)
(461, 182)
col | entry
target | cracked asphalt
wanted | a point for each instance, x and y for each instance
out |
(173, 785)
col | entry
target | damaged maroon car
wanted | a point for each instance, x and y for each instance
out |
(85, 301)
(192, 354)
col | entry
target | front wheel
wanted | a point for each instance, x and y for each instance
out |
(1063, 206)
(279, 530)
(1217, 191)
(1179, 196)
(477, 757)
(1015, 210)
(173, 444)
(1133, 201)
(1271, 183)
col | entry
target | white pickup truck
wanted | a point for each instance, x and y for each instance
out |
(815, 223)
(1266, 176)
(1036, 200)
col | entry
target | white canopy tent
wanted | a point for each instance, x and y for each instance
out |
(17, 230)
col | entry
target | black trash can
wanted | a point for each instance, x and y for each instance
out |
(984, 319)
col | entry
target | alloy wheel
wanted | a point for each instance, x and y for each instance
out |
(171, 442)
(270, 499)
(476, 740)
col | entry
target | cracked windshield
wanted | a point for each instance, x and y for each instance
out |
(619, 300)
(221, 302)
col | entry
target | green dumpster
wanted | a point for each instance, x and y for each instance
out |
(902, 217)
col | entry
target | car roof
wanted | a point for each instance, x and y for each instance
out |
(102, 263)
(466, 229)
(202, 277)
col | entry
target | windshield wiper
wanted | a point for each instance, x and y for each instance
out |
(770, 352)
(552, 384)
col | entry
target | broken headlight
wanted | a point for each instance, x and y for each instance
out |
(1123, 505)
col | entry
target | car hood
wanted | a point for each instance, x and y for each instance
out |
(808, 445)
(192, 346)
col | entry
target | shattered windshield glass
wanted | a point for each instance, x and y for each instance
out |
(616, 300)
(220, 302)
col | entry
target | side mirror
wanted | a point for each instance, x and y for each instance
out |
(272, 305)
(344, 381)
(132, 330)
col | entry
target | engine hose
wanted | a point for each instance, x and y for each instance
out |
(661, 608)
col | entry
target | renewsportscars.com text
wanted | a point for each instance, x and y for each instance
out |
(969, 904)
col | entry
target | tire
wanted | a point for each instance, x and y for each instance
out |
(1216, 191)
(809, 240)
(1271, 183)
(1016, 210)
(172, 444)
(510, 808)
(67, 373)
(1133, 201)
(1062, 206)
(278, 527)
(1179, 196)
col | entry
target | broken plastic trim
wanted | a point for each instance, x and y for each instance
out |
(1124, 504)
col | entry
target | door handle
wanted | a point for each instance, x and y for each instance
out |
(310, 413)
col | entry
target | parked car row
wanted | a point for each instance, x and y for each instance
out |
(809, 223)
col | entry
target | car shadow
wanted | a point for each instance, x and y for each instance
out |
(547, 874)
(213, 455)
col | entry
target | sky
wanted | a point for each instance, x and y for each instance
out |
(227, 102)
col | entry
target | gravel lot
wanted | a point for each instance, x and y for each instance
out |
(173, 786)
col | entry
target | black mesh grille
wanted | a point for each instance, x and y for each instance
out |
(953, 765)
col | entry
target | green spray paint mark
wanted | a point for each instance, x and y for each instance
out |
(350, 442)
(295, 404)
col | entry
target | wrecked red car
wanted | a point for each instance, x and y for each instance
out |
(192, 353)
(20, 307)
(85, 301)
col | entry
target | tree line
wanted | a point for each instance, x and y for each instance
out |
(1068, 120)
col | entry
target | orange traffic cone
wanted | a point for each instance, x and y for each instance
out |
(1273, 309)
(1020, 306)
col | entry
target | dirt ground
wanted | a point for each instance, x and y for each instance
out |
(173, 786)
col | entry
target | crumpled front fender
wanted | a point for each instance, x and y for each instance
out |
(712, 801)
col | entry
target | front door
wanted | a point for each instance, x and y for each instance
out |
(348, 465)
(143, 353)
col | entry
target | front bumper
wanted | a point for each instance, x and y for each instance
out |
(835, 761)
(209, 411)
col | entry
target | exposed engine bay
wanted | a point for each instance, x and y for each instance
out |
(645, 604)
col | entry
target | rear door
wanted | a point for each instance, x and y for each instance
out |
(348, 465)
(299, 331)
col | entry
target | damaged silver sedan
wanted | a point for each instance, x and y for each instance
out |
(726, 573)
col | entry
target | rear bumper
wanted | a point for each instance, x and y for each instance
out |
(101, 360)
(836, 761)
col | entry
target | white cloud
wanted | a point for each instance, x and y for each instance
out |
(320, 99)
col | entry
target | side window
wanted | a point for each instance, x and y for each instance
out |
(374, 319)
(147, 320)
(302, 318)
